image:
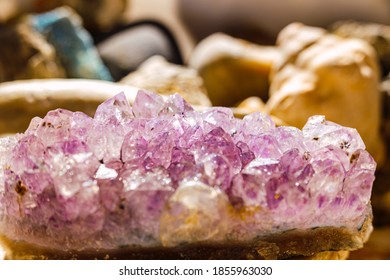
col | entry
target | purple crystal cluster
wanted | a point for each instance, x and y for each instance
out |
(161, 173)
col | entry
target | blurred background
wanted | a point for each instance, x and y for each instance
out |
(255, 20)
(288, 58)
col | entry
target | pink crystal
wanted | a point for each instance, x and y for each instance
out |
(159, 172)
(147, 105)
(114, 111)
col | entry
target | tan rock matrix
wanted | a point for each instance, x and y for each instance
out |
(320, 73)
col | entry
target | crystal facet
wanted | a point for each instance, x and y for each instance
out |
(160, 173)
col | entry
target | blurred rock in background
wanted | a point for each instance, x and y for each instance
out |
(62, 27)
(324, 74)
(378, 35)
(25, 54)
(98, 15)
(124, 50)
(233, 69)
(40, 40)
(160, 76)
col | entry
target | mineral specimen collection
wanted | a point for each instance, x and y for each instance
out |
(160, 174)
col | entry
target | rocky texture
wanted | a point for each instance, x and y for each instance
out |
(158, 75)
(292, 40)
(378, 35)
(25, 54)
(74, 46)
(233, 69)
(126, 49)
(159, 174)
(320, 73)
(315, 244)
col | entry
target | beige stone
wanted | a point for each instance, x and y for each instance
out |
(377, 35)
(20, 101)
(233, 69)
(252, 104)
(160, 76)
(292, 40)
(330, 76)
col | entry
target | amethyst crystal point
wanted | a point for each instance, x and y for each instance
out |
(110, 127)
(257, 123)
(159, 173)
(175, 105)
(320, 132)
(114, 111)
(147, 104)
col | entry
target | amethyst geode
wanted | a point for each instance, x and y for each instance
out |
(160, 173)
